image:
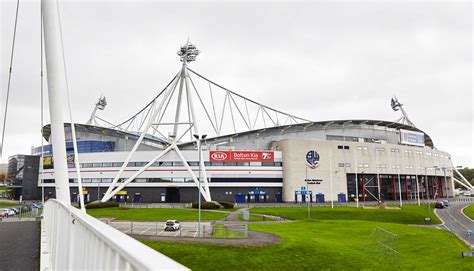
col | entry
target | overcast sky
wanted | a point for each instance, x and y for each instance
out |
(318, 60)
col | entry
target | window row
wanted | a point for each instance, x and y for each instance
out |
(176, 164)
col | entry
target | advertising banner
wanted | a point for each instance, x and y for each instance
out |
(241, 156)
(412, 138)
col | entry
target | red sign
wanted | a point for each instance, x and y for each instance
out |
(241, 156)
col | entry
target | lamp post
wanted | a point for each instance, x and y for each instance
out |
(199, 138)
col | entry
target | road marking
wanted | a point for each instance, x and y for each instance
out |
(147, 229)
(161, 232)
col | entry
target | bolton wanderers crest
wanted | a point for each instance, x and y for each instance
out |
(312, 159)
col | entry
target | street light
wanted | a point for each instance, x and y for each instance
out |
(445, 179)
(199, 138)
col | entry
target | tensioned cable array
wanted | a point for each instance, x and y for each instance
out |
(9, 78)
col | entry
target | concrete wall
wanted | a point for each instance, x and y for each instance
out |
(407, 161)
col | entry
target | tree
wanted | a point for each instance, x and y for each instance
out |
(468, 173)
(3, 177)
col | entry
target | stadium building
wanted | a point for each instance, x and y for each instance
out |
(252, 153)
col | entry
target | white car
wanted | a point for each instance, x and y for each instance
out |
(172, 225)
(7, 212)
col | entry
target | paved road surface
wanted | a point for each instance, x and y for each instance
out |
(455, 221)
(188, 229)
(19, 245)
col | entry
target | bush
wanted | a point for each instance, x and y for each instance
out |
(99, 204)
(226, 205)
(206, 205)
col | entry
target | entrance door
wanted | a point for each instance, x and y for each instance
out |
(172, 194)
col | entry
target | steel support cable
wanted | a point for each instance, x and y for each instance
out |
(240, 112)
(150, 103)
(202, 103)
(243, 97)
(9, 77)
(73, 125)
(41, 169)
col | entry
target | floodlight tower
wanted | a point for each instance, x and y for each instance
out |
(187, 53)
(396, 105)
(101, 103)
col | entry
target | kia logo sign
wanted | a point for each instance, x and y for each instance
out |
(219, 156)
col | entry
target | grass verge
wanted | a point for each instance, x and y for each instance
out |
(469, 211)
(155, 214)
(326, 245)
(6, 204)
(409, 214)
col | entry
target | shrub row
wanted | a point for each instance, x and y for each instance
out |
(213, 205)
(98, 204)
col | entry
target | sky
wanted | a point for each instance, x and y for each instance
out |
(322, 60)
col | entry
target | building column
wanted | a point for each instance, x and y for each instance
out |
(363, 188)
(394, 192)
(406, 187)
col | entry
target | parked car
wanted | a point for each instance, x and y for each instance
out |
(439, 205)
(445, 203)
(172, 225)
(7, 212)
(38, 205)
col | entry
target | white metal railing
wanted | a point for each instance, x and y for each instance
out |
(73, 240)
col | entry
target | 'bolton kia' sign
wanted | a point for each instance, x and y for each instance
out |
(241, 156)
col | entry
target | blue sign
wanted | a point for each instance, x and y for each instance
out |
(312, 159)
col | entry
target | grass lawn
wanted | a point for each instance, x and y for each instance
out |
(409, 214)
(469, 211)
(5, 204)
(155, 214)
(220, 231)
(326, 245)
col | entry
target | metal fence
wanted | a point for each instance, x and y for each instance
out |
(73, 240)
(157, 228)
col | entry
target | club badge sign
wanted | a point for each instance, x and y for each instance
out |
(312, 159)
(241, 156)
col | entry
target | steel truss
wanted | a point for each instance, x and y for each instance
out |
(197, 104)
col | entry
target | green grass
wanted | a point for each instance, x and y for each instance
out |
(326, 245)
(409, 214)
(155, 214)
(6, 204)
(469, 211)
(220, 231)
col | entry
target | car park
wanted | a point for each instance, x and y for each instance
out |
(172, 225)
(439, 205)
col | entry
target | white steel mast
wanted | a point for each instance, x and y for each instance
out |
(56, 88)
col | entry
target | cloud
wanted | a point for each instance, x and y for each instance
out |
(318, 60)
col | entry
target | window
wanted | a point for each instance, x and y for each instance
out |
(131, 164)
(428, 153)
(363, 165)
(380, 149)
(107, 164)
(267, 164)
(87, 165)
(436, 155)
(178, 164)
(346, 147)
(117, 164)
(396, 166)
(362, 148)
(278, 164)
(193, 164)
(342, 147)
(395, 150)
(419, 152)
(409, 167)
(348, 165)
(96, 164)
(341, 164)
(381, 166)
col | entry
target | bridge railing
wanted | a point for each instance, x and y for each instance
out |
(73, 240)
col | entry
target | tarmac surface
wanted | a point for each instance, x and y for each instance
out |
(188, 229)
(19, 245)
(456, 222)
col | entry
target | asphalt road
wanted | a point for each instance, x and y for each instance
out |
(19, 245)
(456, 222)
